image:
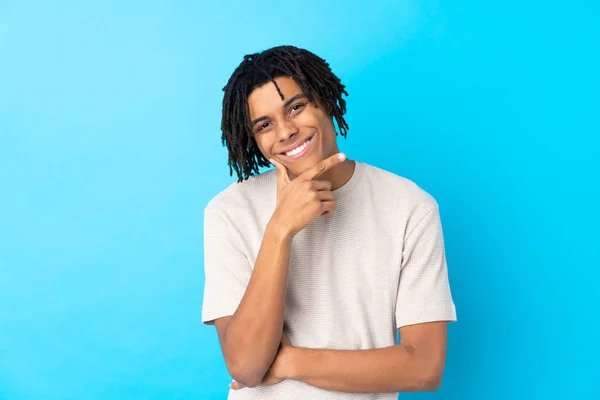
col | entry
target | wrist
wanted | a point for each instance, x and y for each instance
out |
(291, 367)
(279, 231)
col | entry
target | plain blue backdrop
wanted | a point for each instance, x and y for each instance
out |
(110, 149)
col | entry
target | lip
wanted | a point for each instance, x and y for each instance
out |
(302, 153)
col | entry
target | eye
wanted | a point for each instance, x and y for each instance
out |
(297, 107)
(261, 127)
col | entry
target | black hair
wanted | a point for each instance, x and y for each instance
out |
(309, 71)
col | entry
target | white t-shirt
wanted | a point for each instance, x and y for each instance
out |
(376, 264)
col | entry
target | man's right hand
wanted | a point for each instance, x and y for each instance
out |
(305, 198)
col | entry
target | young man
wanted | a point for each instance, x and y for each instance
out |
(311, 267)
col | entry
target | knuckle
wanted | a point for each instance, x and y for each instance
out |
(321, 166)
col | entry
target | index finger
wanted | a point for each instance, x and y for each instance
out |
(322, 167)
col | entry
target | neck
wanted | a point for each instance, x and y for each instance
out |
(338, 175)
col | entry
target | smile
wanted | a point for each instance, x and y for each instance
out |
(300, 150)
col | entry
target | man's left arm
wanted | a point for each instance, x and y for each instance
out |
(424, 307)
(416, 364)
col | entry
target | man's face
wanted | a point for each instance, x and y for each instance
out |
(281, 125)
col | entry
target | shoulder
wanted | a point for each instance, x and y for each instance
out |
(398, 187)
(254, 192)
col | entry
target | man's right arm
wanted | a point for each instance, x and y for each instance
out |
(250, 337)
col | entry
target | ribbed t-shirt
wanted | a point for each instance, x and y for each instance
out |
(355, 276)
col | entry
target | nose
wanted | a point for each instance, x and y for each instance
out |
(286, 130)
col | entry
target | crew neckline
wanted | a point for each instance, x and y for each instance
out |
(342, 191)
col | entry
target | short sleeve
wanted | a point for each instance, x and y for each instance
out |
(227, 270)
(424, 291)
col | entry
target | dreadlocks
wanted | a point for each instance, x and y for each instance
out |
(309, 71)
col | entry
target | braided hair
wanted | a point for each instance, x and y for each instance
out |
(309, 71)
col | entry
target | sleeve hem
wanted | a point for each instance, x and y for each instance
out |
(209, 318)
(448, 314)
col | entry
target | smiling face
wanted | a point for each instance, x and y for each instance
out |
(282, 125)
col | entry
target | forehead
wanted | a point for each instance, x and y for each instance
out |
(265, 100)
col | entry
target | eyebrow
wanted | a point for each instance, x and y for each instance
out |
(285, 105)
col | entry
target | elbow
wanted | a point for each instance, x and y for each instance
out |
(246, 365)
(248, 374)
(431, 380)
(242, 367)
(249, 380)
(431, 383)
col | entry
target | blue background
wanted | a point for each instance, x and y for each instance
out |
(110, 149)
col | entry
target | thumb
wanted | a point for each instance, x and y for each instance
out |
(285, 341)
(282, 175)
(235, 385)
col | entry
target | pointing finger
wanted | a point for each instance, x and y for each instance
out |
(322, 167)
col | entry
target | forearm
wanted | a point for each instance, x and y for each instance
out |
(254, 331)
(399, 368)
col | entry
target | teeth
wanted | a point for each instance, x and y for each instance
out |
(297, 149)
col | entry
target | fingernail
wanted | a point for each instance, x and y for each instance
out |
(342, 156)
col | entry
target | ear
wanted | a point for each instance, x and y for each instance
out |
(318, 102)
(329, 108)
(326, 106)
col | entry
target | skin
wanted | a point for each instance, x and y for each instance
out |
(252, 336)
(415, 364)
(278, 125)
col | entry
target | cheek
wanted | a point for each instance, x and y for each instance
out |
(262, 149)
(263, 146)
(327, 129)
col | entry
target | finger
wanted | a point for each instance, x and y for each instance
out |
(236, 385)
(322, 167)
(282, 175)
(325, 195)
(328, 207)
(285, 340)
(320, 185)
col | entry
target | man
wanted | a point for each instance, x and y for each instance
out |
(311, 267)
